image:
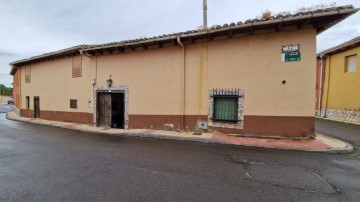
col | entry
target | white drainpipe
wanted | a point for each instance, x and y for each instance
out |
(183, 84)
(321, 83)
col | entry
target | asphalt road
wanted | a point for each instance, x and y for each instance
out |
(41, 163)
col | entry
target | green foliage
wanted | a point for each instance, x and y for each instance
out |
(5, 90)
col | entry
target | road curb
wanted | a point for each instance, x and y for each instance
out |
(350, 148)
(338, 121)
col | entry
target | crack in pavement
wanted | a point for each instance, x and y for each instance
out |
(287, 187)
(245, 165)
(326, 181)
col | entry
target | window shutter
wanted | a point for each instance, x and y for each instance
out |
(28, 74)
(76, 66)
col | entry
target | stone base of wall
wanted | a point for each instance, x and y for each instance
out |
(264, 126)
(27, 113)
(275, 126)
(76, 117)
(351, 116)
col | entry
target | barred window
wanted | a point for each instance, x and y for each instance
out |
(351, 63)
(225, 108)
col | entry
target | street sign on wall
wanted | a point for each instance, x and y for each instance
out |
(291, 53)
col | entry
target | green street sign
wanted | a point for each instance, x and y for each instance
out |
(292, 56)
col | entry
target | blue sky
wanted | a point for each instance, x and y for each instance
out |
(35, 27)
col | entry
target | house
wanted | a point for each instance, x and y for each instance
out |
(253, 78)
(16, 88)
(339, 82)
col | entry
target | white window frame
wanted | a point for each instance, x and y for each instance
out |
(351, 63)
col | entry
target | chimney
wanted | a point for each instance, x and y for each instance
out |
(205, 13)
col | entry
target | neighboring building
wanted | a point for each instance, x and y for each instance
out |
(339, 89)
(16, 87)
(253, 78)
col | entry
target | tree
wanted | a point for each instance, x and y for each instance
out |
(5, 90)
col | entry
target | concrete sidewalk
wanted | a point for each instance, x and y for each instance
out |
(320, 144)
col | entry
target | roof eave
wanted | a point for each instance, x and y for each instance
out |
(310, 18)
(343, 13)
(65, 52)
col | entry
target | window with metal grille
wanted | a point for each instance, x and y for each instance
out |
(73, 104)
(28, 74)
(76, 66)
(351, 63)
(225, 108)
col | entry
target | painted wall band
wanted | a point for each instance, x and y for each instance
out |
(255, 125)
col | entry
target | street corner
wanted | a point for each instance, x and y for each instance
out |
(321, 143)
(337, 145)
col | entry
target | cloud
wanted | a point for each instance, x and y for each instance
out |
(7, 54)
(38, 26)
(344, 31)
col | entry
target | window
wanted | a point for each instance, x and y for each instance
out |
(351, 63)
(27, 102)
(73, 104)
(28, 74)
(76, 66)
(225, 108)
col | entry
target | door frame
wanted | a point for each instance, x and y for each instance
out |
(113, 89)
(36, 108)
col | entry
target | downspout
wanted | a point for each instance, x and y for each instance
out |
(182, 84)
(19, 91)
(321, 83)
(91, 101)
(328, 87)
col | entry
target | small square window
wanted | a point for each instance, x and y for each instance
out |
(73, 104)
(351, 63)
(226, 108)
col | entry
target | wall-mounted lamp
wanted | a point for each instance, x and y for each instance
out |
(109, 82)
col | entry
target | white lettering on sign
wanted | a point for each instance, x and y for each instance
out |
(291, 48)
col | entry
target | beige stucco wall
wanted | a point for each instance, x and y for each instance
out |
(153, 77)
(52, 81)
(253, 64)
(4, 98)
(250, 63)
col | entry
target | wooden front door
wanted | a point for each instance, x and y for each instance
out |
(36, 107)
(104, 112)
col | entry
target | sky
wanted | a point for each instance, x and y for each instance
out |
(30, 28)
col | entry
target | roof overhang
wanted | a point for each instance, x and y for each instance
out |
(340, 48)
(12, 71)
(69, 52)
(321, 20)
